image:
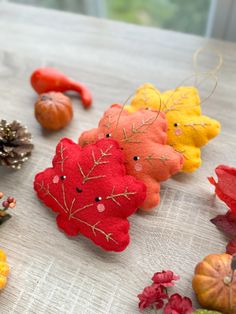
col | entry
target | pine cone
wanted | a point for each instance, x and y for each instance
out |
(15, 144)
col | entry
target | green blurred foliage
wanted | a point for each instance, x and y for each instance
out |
(188, 16)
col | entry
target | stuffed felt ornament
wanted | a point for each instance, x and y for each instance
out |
(89, 189)
(142, 137)
(188, 129)
(4, 269)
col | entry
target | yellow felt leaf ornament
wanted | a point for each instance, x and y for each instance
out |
(4, 269)
(188, 129)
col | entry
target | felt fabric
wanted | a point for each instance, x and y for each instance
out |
(4, 269)
(89, 189)
(188, 129)
(142, 137)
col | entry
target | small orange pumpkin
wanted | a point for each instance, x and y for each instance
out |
(214, 283)
(53, 110)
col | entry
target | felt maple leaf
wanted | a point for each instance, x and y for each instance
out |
(142, 137)
(89, 189)
(188, 129)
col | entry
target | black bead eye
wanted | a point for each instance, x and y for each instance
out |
(108, 135)
(78, 190)
(176, 124)
(98, 198)
(62, 178)
(136, 158)
(147, 108)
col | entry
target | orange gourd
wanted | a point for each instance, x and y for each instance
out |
(53, 110)
(214, 283)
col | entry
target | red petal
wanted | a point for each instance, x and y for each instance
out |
(159, 304)
(226, 223)
(175, 300)
(212, 180)
(231, 247)
(225, 189)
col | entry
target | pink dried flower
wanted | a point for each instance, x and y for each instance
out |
(5, 204)
(10, 202)
(12, 205)
(165, 278)
(11, 199)
(152, 296)
(178, 305)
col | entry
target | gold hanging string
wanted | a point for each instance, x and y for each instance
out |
(199, 76)
(120, 113)
(125, 103)
(196, 57)
(205, 75)
(210, 72)
(193, 76)
(215, 78)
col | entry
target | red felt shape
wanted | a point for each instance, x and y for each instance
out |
(89, 189)
(225, 188)
(142, 136)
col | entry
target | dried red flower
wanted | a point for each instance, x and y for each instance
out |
(152, 296)
(9, 203)
(231, 247)
(225, 187)
(225, 190)
(165, 278)
(5, 204)
(11, 199)
(178, 305)
(226, 223)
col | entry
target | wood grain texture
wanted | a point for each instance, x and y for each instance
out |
(51, 273)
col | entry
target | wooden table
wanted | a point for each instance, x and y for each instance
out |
(51, 273)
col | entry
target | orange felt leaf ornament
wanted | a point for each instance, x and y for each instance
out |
(89, 189)
(142, 137)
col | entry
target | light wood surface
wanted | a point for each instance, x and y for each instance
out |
(51, 273)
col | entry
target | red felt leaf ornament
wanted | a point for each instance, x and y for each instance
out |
(89, 189)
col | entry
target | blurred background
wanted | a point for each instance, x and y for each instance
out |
(211, 18)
